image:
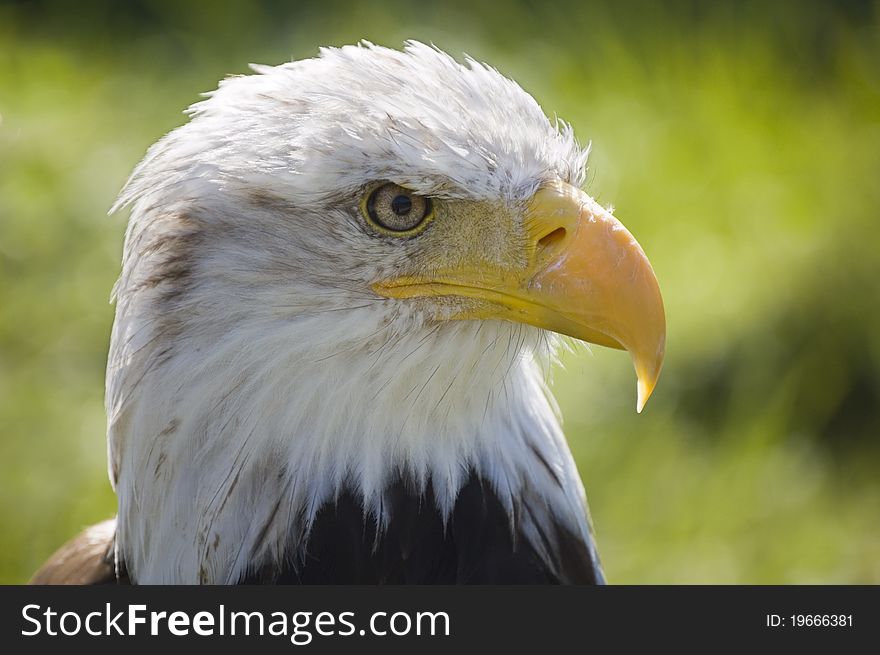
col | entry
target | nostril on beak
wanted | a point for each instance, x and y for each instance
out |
(549, 241)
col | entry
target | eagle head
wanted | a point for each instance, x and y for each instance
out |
(342, 273)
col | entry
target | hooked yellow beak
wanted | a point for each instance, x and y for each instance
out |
(586, 277)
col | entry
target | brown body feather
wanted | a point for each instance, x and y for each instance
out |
(87, 559)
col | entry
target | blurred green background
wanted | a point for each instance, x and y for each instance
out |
(740, 144)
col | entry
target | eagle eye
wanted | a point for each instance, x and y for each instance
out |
(394, 210)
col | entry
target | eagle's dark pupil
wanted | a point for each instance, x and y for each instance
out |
(401, 205)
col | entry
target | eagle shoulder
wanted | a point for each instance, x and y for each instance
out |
(87, 559)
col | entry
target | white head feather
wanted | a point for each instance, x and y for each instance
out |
(253, 373)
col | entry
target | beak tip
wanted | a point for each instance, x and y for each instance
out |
(644, 392)
(648, 373)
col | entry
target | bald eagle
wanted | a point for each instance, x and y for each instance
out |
(341, 284)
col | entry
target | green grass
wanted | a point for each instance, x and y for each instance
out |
(741, 146)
